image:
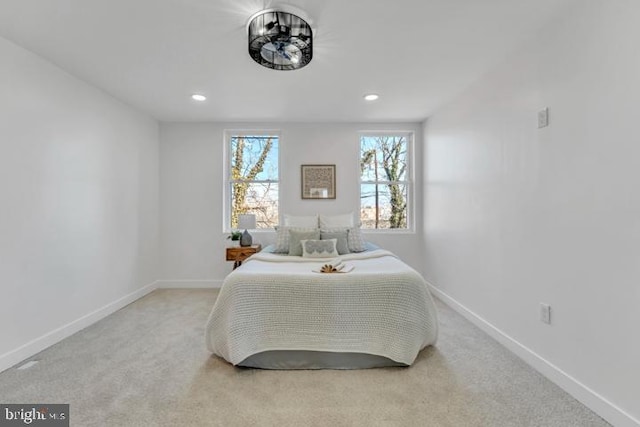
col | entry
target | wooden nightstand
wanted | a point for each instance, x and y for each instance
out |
(239, 254)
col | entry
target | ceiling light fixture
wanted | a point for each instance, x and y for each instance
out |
(371, 97)
(198, 97)
(280, 40)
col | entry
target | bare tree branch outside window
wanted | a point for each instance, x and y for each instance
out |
(254, 178)
(383, 181)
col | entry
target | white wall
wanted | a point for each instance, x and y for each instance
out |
(79, 203)
(191, 182)
(516, 216)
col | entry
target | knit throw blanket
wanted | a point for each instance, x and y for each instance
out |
(276, 302)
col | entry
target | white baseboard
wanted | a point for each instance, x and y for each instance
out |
(35, 346)
(597, 403)
(188, 284)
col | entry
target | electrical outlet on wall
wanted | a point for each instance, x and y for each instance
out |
(543, 118)
(545, 313)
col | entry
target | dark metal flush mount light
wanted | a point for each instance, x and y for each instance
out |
(280, 40)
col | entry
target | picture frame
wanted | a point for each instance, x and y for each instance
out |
(318, 182)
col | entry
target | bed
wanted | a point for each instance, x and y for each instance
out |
(278, 312)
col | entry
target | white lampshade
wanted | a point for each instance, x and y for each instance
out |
(247, 221)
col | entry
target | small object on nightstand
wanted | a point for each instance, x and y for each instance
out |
(246, 221)
(234, 238)
(239, 254)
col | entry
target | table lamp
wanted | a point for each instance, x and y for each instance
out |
(246, 221)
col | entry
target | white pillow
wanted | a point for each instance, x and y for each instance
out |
(337, 221)
(282, 237)
(300, 221)
(319, 248)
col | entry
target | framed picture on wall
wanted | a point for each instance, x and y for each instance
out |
(318, 181)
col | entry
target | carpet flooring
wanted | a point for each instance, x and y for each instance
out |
(147, 365)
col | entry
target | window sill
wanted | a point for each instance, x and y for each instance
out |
(387, 231)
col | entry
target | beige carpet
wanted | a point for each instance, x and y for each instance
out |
(147, 365)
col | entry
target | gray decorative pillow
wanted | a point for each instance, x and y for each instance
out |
(355, 242)
(319, 248)
(295, 247)
(341, 237)
(282, 238)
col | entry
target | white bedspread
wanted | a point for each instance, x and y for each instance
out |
(276, 302)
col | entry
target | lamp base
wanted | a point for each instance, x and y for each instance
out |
(246, 239)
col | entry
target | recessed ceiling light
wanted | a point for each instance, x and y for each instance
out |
(371, 97)
(198, 97)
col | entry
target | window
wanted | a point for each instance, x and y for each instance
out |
(385, 180)
(252, 178)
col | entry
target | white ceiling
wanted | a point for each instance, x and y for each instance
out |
(153, 54)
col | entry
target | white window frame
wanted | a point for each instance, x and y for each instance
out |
(226, 168)
(410, 137)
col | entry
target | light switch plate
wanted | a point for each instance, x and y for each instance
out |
(545, 313)
(543, 118)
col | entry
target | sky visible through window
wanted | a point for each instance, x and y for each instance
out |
(253, 146)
